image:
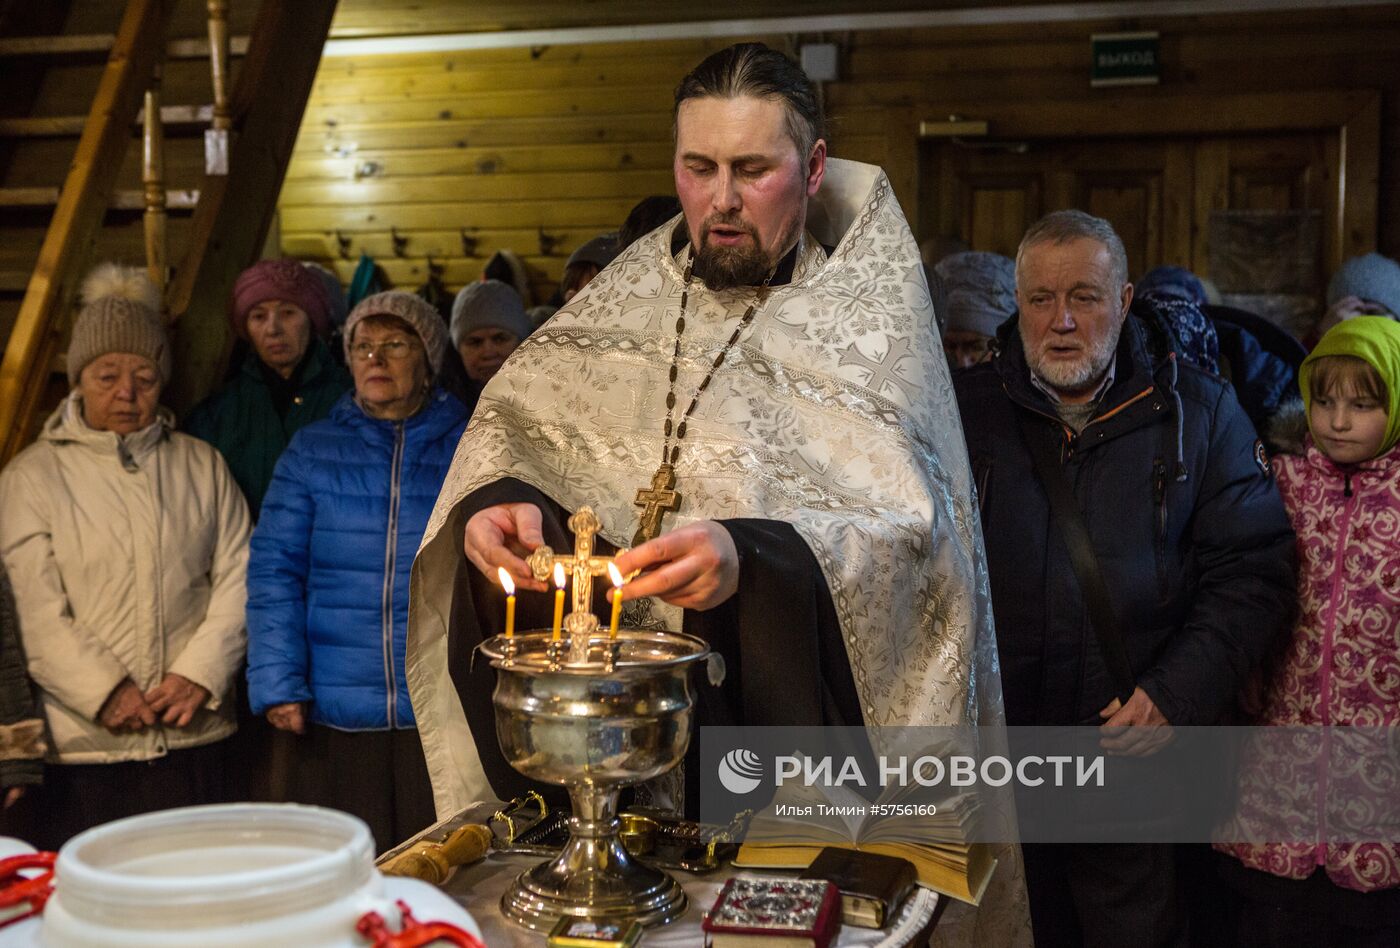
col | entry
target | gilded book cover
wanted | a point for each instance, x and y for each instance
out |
(762, 911)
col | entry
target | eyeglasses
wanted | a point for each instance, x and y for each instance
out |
(394, 350)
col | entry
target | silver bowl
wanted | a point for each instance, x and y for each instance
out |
(619, 717)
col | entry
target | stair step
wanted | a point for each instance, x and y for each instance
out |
(14, 281)
(182, 199)
(101, 43)
(176, 199)
(56, 45)
(61, 126)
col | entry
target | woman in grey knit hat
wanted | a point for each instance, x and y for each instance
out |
(488, 322)
(126, 544)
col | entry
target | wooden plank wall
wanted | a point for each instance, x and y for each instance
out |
(509, 145)
(936, 73)
(535, 151)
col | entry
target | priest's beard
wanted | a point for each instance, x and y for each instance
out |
(723, 268)
(1073, 376)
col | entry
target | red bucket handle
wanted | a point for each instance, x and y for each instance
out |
(16, 889)
(413, 933)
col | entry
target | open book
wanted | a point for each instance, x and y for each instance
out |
(902, 822)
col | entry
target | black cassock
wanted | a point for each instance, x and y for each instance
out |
(779, 636)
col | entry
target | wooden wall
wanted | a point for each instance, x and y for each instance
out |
(932, 74)
(534, 151)
(538, 149)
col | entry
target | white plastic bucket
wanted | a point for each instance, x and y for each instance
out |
(235, 876)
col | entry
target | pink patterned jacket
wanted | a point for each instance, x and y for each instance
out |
(1342, 667)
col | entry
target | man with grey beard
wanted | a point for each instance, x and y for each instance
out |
(1151, 586)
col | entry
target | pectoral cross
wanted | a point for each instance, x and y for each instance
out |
(582, 566)
(656, 503)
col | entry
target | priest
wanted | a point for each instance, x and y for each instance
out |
(753, 398)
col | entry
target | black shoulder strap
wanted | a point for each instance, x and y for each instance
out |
(1069, 520)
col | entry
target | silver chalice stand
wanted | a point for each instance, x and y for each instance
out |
(620, 717)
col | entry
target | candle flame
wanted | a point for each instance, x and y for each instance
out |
(559, 575)
(506, 581)
(616, 574)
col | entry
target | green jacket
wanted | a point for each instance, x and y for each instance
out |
(242, 422)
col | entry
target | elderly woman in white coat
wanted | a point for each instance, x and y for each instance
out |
(126, 543)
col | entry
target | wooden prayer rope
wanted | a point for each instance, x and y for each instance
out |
(661, 497)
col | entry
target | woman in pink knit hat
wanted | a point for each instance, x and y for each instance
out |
(287, 380)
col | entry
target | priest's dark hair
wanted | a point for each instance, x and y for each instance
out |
(753, 69)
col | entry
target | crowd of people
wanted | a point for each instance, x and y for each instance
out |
(1188, 517)
(172, 653)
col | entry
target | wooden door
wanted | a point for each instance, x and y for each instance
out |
(1161, 193)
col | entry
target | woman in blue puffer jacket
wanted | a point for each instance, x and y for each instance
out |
(329, 567)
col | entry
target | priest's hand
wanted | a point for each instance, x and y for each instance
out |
(288, 717)
(502, 536)
(1135, 729)
(695, 567)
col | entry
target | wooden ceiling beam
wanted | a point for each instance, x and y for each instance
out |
(62, 46)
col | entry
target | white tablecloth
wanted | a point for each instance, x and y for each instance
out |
(479, 887)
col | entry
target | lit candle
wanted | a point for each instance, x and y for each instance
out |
(558, 600)
(617, 598)
(509, 585)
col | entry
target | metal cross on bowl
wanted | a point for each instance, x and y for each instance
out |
(582, 565)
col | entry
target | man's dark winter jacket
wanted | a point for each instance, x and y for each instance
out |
(1189, 530)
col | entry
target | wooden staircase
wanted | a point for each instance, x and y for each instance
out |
(74, 191)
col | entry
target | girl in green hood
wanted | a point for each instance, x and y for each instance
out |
(1341, 665)
(1350, 388)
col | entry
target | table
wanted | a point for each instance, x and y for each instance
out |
(478, 888)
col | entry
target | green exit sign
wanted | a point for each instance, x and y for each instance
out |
(1124, 59)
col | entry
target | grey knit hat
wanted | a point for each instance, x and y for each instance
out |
(335, 292)
(1370, 277)
(489, 304)
(979, 291)
(121, 313)
(600, 251)
(414, 310)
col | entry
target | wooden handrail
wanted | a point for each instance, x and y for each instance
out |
(86, 193)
